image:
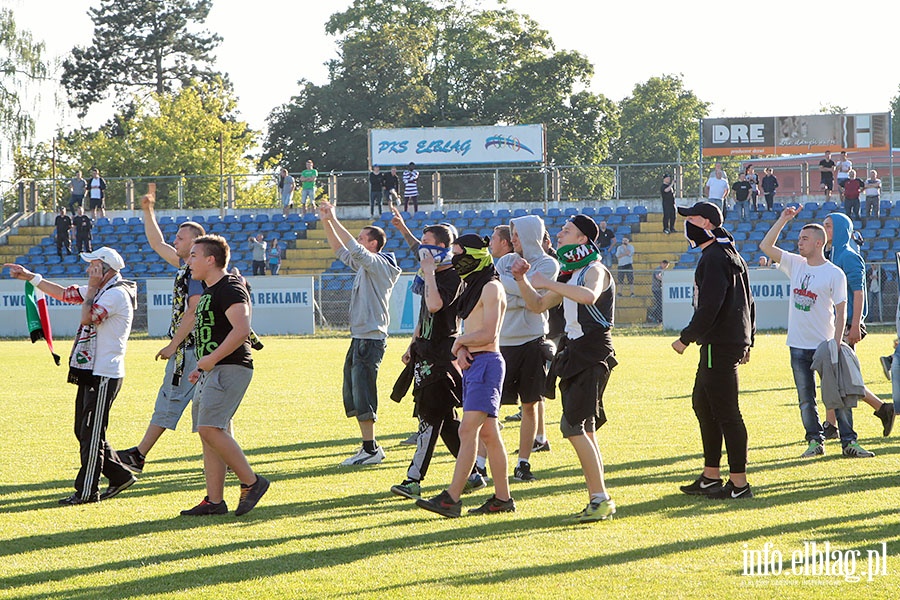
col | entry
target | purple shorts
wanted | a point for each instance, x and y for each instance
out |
(482, 383)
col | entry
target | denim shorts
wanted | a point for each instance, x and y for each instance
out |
(173, 399)
(361, 378)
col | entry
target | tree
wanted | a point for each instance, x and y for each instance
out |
(140, 44)
(425, 63)
(21, 62)
(169, 134)
(659, 121)
(895, 120)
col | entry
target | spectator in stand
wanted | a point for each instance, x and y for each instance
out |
(77, 187)
(874, 276)
(655, 314)
(376, 191)
(873, 195)
(625, 258)
(769, 185)
(274, 257)
(97, 193)
(852, 187)
(844, 167)
(667, 193)
(716, 188)
(411, 187)
(258, 246)
(751, 176)
(606, 239)
(63, 224)
(826, 173)
(742, 190)
(286, 187)
(308, 187)
(390, 182)
(83, 225)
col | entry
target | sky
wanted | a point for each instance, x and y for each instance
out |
(764, 58)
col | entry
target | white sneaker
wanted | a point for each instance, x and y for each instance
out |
(365, 458)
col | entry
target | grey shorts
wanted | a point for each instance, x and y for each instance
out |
(173, 399)
(218, 394)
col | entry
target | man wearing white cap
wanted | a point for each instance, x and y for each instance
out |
(96, 365)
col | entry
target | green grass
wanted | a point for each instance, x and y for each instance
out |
(324, 531)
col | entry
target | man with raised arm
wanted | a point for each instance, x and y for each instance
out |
(180, 355)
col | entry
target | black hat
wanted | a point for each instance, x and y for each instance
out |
(587, 226)
(707, 210)
(472, 240)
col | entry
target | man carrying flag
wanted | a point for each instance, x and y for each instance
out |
(96, 365)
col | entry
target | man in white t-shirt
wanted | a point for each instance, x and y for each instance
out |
(817, 312)
(717, 188)
(844, 166)
(97, 365)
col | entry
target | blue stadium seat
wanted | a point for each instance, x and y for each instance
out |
(623, 210)
(504, 213)
(102, 221)
(37, 259)
(234, 227)
(777, 207)
(267, 227)
(830, 206)
(604, 211)
(262, 218)
(277, 219)
(453, 214)
(165, 220)
(875, 255)
(308, 218)
(35, 250)
(283, 226)
(229, 219)
(136, 221)
(199, 219)
(881, 244)
(519, 212)
(632, 219)
(245, 219)
(590, 211)
(48, 241)
(180, 219)
(744, 226)
(293, 218)
(739, 236)
(486, 214)
(56, 270)
(813, 206)
(216, 228)
(640, 210)
(538, 212)
(435, 215)
(570, 211)
(213, 219)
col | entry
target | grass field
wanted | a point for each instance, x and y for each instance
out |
(325, 531)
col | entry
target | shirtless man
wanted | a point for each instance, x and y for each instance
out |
(481, 306)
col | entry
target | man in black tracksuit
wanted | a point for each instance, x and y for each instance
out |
(723, 324)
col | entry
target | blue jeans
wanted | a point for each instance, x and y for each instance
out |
(375, 200)
(742, 209)
(361, 378)
(895, 379)
(801, 363)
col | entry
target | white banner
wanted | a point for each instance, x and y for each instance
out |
(457, 145)
(403, 307)
(770, 289)
(281, 305)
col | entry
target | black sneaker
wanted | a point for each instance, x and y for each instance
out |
(112, 490)
(704, 486)
(514, 418)
(522, 472)
(830, 432)
(730, 492)
(77, 499)
(493, 505)
(131, 459)
(250, 495)
(885, 412)
(206, 508)
(441, 504)
(541, 446)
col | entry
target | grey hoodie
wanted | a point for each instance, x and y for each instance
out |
(376, 274)
(520, 325)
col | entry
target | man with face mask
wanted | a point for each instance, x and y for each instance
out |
(723, 325)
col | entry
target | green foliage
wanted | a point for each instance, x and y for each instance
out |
(140, 45)
(895, 120)
(417, 63)
(21, 62)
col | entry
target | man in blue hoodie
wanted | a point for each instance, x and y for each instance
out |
(376, 274)
(522, 335)
(843, 253)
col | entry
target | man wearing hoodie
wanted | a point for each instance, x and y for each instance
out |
(723, 325)
(522, 334)
(843, 253)
(376, 274)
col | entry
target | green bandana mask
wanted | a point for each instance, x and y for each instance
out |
(575, 256)
(474, 259)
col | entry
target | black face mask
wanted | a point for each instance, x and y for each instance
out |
(464, 264)
(696, 236)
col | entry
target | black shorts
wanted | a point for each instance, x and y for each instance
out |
(582, 400)
(526, 372)
(96, 203)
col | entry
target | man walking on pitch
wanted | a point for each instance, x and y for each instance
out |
(817, 312)
(222, 375)
(586, 356)
(180, 355)
(723, 325)
(481, 306)
(376, 274)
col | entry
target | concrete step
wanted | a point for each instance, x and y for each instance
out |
(24, 239)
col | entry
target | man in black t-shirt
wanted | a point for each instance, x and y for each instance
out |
(667, 193)
(224, 370)
(742, 189)
(63, 224)
(605, 241)
(83, 226)
(826, 172)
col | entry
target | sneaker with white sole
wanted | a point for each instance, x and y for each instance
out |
(597, 511)
(541, 446)
(410, 488)
(365, 458)
(730, 491)
(476, 480)
(703, 486)
(815, 448)
(412, 440)
(886, 365)
(854, 450)
(522, 472)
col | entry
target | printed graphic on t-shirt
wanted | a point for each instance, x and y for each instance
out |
(804, 299)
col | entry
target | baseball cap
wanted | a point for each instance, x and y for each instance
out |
(106, 254)
(707, 210)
